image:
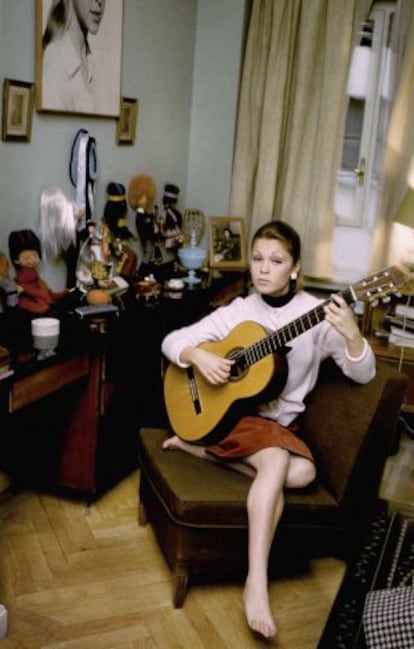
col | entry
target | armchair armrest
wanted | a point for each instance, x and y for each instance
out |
(351, 428)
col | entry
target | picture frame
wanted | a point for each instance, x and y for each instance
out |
(84, 81)
(126, 127)
(227, 243)
(18, 99)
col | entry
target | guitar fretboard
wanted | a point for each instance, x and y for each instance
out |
(278, 340)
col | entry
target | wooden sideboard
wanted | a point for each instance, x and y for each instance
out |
(71, 422)
(66, 423)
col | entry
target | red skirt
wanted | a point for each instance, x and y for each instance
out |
(252, 434)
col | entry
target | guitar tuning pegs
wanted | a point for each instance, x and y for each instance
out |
(386, 299)
(374, 303)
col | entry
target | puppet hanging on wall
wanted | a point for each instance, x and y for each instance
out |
(83, 172)
(25, 253)
(141, 194)
(171, 219)
(115, 217)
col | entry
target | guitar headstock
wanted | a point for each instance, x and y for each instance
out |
(380, 284)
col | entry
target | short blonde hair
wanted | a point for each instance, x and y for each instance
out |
(138, 187)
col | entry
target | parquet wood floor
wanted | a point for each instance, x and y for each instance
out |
(79, 577)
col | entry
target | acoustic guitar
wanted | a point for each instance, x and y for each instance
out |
(196, 408)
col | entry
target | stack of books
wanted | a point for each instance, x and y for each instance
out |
(401, 325)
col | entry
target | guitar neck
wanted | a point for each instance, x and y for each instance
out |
(278, 340)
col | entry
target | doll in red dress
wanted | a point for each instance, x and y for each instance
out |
(25, 254)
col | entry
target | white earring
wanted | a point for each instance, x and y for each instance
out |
(294, 276)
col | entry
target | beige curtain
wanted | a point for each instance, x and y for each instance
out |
(291, 118)
(399, 155)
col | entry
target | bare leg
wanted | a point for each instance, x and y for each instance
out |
(275, 468)
(264, 507)
(200, 451)
(272, 469)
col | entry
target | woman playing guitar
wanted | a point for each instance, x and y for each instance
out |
(266, 443)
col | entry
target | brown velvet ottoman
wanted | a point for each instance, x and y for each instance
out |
(197, 507)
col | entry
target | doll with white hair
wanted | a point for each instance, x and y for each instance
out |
(59, 226)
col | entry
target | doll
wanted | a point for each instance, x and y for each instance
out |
(93, 265)
(115, 217)
(25, 253)
(141, 194)
(9, 290)
(60, 227)
(171, 219)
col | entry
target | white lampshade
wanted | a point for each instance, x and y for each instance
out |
(405, 212)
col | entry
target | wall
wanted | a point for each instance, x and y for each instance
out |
(181, 125)
(215, 96)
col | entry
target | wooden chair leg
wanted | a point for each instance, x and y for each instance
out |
(142, 514)
(180, 582)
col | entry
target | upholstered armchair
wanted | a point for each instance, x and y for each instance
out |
(197, 508)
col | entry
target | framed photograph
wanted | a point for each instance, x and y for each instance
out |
(78, 57)
(17, 110)
(126, 127)
(227, 243)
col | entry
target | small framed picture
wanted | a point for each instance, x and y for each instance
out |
(18, 99)
(227, 243)
(127, 121)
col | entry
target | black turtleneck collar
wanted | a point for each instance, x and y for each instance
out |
(278, 300)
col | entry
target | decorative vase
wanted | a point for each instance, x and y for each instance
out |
(192, 257)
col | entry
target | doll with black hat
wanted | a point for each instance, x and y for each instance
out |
(171, 220)
(25, 253)
(115, 217)
(141, 195)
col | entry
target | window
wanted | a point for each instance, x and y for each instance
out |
(359, 178)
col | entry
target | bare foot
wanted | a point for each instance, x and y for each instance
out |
(258, 613)
(176, 442)
(172, 442)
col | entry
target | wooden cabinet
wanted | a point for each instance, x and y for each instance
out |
(46, 380)
(70, 423)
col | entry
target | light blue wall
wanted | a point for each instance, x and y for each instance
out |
(218, 52)
(176, 55)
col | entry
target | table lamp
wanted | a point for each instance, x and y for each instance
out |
(405, 212)
(192, 257)
(405, 216)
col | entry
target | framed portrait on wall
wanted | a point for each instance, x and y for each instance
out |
(126, 127)
(17, 110)
(227, 243)
(78, 56)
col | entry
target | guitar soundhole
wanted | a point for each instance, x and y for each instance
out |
(239, 369)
